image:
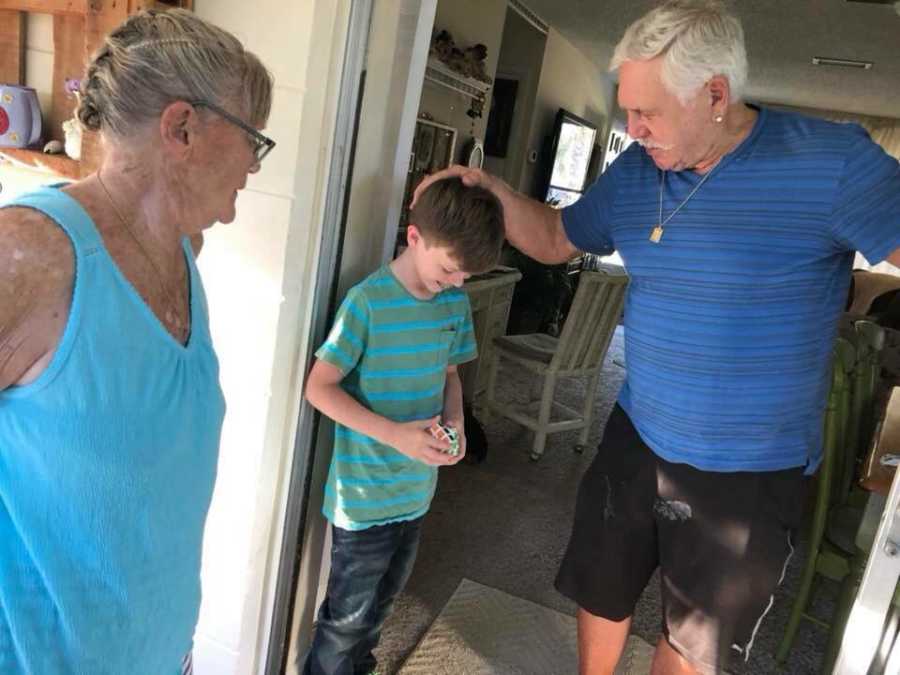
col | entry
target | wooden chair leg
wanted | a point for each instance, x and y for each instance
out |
(537, 388)
(849, 588)
(540, 436)
(486, 414)
(817, 532)
(588, 414)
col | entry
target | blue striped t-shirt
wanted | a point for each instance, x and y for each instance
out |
(730, 319)
(393, 350)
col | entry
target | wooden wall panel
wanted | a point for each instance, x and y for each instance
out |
(138, 5)
(47, 6)
(79, 27)
(101, 19)
(12, 47)
(104, 16)
(69, 60)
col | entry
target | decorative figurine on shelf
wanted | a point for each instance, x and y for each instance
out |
(442, 46)
(53, 148)
(72, 133)
(468, 62)
(20, 116)
(71, 127)
(73, 86)
(473, 63)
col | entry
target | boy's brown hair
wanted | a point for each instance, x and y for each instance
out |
(467, 220)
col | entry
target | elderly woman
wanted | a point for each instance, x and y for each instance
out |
(737, 225)
(110, 406)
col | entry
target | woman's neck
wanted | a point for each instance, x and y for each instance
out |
(141, 201)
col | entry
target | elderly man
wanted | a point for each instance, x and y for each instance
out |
(738, 227)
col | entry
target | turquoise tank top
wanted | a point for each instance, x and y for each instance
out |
(107, 465)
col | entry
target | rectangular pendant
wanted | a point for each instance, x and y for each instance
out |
(657, 234)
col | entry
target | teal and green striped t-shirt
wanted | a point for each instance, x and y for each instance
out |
(393, 350)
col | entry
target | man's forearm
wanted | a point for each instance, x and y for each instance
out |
(534, 228)
(333, 401)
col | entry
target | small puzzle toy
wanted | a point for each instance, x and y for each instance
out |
(444, 433)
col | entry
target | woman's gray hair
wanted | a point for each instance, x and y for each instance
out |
(158, 57)
(697, 39)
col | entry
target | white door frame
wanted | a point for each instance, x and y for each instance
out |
(324, 291)
(381, 83)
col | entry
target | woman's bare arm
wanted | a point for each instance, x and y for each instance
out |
(36, 277)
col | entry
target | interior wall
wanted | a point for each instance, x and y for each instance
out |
(398, 40)
(258, 273)
(39, 57)
(568, 80)
(521, 56)
(39, 76)
(469, 22)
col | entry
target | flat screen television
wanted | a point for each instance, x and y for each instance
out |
(569, 158)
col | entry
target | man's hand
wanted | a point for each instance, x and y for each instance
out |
(415, 441)
(534, 228)
(470, 177)
(460, 427)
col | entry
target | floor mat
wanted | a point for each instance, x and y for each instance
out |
(484, 631)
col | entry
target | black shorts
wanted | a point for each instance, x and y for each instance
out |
(722, 542)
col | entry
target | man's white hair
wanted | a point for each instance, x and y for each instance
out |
(697, 39)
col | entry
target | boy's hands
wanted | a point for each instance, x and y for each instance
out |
(459, 425)
(415, 441)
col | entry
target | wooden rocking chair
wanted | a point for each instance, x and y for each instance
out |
(578, 352)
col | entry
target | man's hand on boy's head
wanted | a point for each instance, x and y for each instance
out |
(415, 441)
(470, 177)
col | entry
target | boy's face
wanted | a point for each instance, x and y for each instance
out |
(435, 265)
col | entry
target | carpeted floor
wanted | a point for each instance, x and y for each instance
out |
(505, 524)
(483, 631)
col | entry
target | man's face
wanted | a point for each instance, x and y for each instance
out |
(673, 134)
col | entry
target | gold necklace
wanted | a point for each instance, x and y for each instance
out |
(171, 317)
(657, 232)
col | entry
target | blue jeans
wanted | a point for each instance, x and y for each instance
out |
(368, 569)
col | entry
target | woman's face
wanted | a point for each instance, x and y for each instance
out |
(224, 158)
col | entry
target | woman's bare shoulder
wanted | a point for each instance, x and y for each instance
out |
(37, 267)
(31, 245)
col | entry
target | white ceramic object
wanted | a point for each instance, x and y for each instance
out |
(72, 131)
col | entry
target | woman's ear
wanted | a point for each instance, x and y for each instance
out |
(178, 128)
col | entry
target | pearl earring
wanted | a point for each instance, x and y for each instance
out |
(718, 119)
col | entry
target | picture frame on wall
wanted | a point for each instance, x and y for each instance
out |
(433, 148)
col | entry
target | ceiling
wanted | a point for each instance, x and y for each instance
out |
(782, 37)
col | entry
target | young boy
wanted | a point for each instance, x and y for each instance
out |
(385, 375)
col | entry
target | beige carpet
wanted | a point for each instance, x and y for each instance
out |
(484, 631)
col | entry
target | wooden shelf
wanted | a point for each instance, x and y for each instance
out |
(85, 7)
(79, 27)
(58, 165)
(55, 7)
(439, 73)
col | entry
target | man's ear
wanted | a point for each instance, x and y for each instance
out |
(719, 94)
(178, 128)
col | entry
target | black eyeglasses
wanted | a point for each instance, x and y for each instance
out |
(262, 144)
